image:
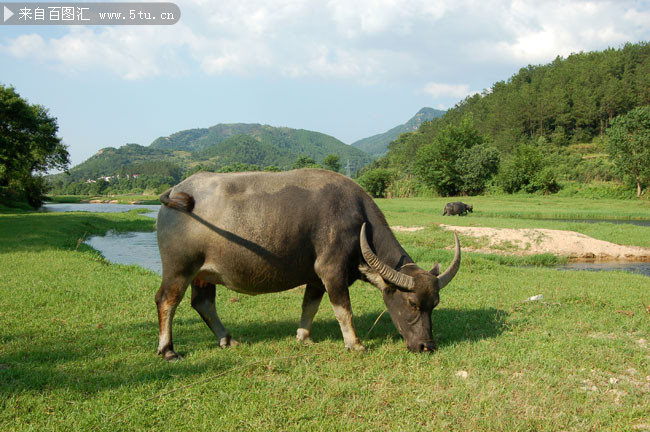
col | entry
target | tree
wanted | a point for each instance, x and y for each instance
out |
(527, 171)
(376, 181)
(332, 163)
(476, 166)
(305, 162)
(435, 163)
(628, 145)
(98, 187)
(29, 148)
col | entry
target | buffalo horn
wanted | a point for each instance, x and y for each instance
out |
(387, 273)
(449, 274)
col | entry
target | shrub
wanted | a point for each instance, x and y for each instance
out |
(436, 163)
(528, 171)
(403, 186)
(376, 181)
(476, 166)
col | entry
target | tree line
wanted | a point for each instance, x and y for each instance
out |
(156, 177)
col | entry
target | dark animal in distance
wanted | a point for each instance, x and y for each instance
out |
(260, 233)
(457, 208)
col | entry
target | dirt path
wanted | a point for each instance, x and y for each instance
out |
(557, 242)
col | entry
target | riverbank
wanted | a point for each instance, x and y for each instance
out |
(111, 199)
(531, 241)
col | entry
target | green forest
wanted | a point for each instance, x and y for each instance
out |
(547, 128)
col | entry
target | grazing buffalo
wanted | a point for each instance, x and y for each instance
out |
(457, 208)
(259, 233)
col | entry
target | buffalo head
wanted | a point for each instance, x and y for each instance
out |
(410, 294)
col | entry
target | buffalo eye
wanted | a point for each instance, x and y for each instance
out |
(413, 304)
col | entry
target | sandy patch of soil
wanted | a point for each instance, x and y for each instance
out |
(529, 241)
(99, 201)
(406, 229)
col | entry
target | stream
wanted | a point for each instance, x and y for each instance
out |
(141, 248)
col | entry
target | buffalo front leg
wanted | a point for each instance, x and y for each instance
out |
(203, 296)
(310, 303)
(337, 290)
(168, 297)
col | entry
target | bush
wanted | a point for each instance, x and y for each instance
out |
(332, 163)
(376, 181)
(436, 163)
(544, 181)
(476, 166)
(405, 186)
(527, 171)
(305, 162)
(597, 190)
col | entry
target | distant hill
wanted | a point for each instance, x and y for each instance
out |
(377, 145)
(221, 145)
(109, 161)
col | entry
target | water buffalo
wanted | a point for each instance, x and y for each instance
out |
(457, 208)
(259, 233)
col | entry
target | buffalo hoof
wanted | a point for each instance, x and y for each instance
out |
(303, 336)
(356, 347)
(170, 355)
(228, 341)
(306, 341)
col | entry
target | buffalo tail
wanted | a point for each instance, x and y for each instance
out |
(181, 201)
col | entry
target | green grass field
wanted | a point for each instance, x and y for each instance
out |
(78, 338)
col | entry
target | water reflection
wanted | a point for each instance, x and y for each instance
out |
(102, 208)
(642, 268)
(140, 248)
(643, 223)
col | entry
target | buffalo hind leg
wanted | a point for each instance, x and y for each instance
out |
(203, 295)
(310, 303)
(168, 297)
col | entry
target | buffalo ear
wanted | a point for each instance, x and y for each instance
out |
(436, 269)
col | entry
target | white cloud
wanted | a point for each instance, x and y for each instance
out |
(131, 53)
(543, 30)
(365, 41)
(370, 17)
(23, 46)
(443, 90)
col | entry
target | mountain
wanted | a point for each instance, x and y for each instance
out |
(262, 145)
(222, 145)
(377, 145)
(109, 161)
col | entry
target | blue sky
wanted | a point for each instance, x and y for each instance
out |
(350, 69)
